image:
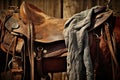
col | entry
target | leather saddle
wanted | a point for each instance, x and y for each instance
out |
(46, 29)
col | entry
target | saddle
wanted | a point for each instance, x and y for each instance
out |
(46, 29)
(47, 32)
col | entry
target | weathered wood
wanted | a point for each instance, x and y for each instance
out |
(63, 8)
(5, 4)
(13, 2)
(53, 8)
(1, 5)
(71, 7)
(115, 5)
(50, 7)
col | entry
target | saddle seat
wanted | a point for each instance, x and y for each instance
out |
(46, 29)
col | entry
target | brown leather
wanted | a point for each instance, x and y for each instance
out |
(46, 29)
(26, 10)
(7, 43)
(55, 49)
(101, 18)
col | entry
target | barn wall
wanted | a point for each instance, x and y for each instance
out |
(63, 8)
(51, 7)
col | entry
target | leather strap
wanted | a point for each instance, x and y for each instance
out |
(110, 43)
(8, 52)
(30, 49)
(112, 47)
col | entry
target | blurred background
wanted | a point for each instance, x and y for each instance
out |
(63, 8)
